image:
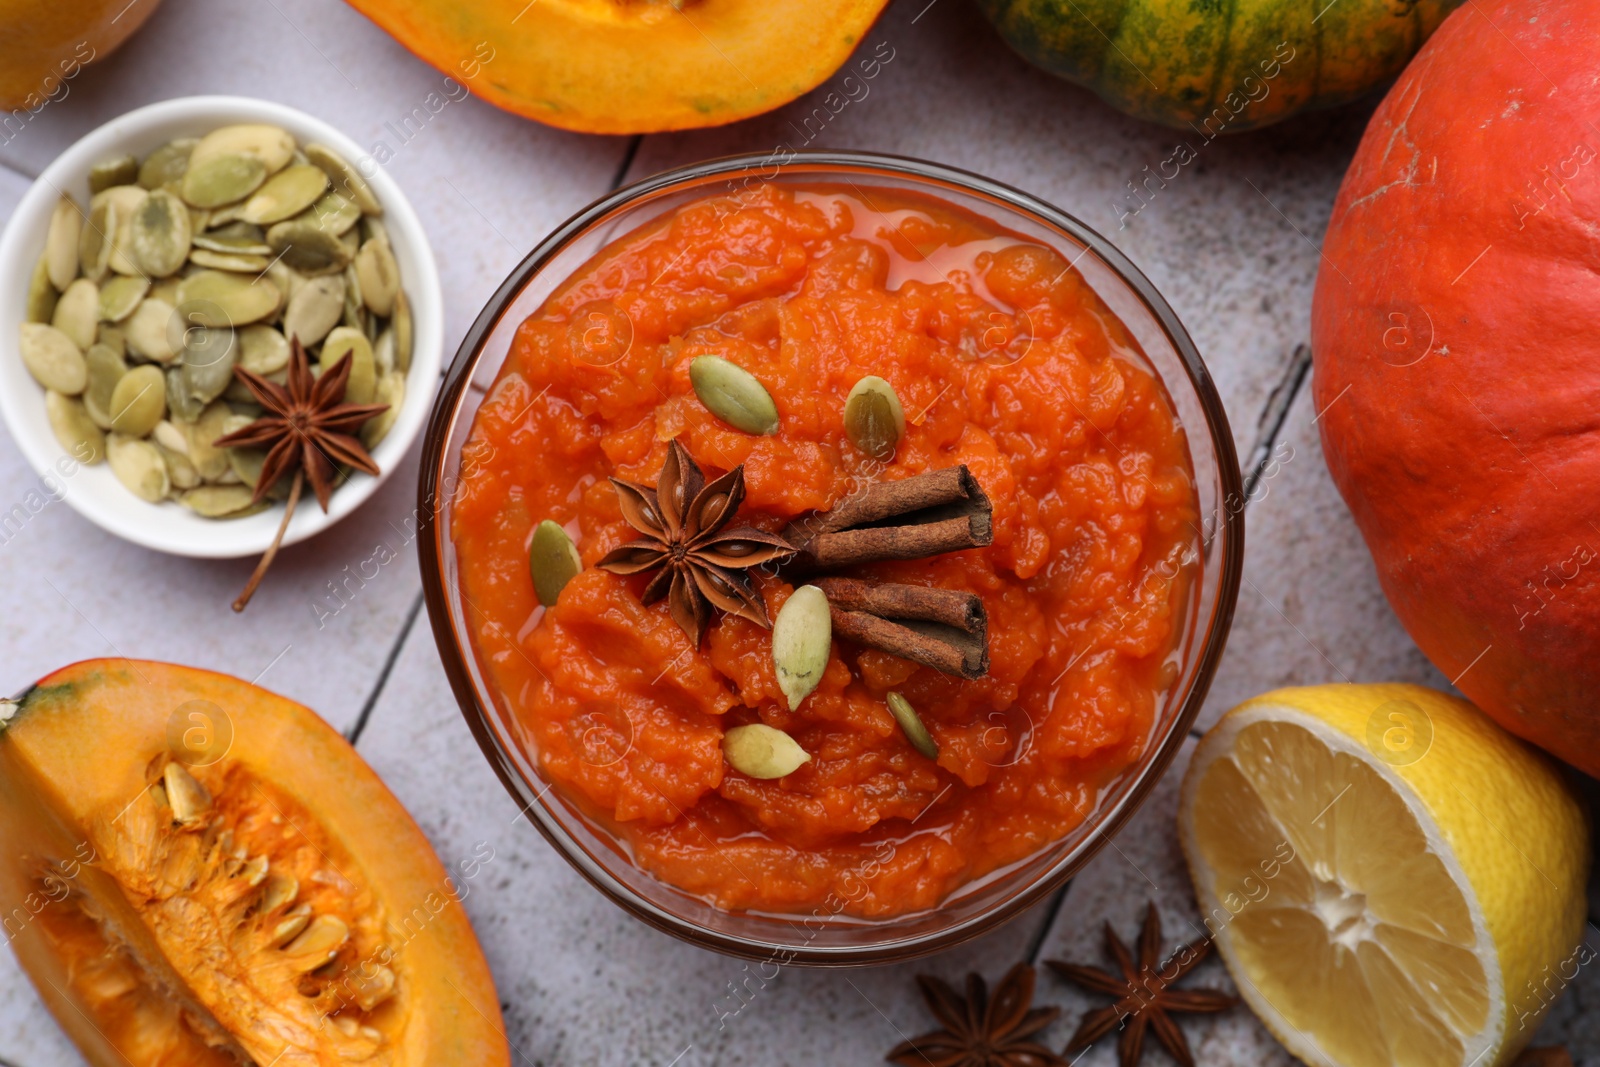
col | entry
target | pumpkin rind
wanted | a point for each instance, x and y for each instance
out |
(83, 742)
(613, 66)
(1456, 367)
(46, 44)
(1219, 66)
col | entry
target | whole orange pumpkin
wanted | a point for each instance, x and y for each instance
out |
(1456, 331)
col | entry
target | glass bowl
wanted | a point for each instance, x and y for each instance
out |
(825, 938)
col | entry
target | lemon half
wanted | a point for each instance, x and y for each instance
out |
(1392, 879)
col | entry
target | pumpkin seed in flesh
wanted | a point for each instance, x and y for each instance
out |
(53, 360)
(61, 242)
(392, 391)
(262, 349)
(344, 178)
(41, 293)
(105, 368)
(733, 395)
(307, 247)
(166, 164)
(94, 240)
(271, 145)
(180, 404)
(911, 725)
(222, 179)
(287, 193)
(160, 234)
(168, 436)
(180, 471)
(118, 298)
(77, 312)
(122, 170)
(760, 751)
(238, 264)
(74, 429)
(147, 328)
(315, 309)
(139, 401)
(217, 298)
(553, 561)
(401, 323)
(802, 637)
(128, 199)
(873, 418)
(138, 465)
(380, 276)
(218, 501)
(208, 459)
(362, 383)
(334, 212)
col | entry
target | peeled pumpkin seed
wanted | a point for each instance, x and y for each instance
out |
(221, 179)
(180, 404)
(170, 437)
(217, 501)
(121, 170)
(94, 240)
(167, 163)
(138, 465)
(52, 358)
(307, 247)
(165, 290)
(391, 390)
(236, 238)
(118, 298)
(218, 298)
(287, 193)
(761, 751)
(362, 383)
(139, 401)
(105, 369)
(61, 243)
(78, 312)
(380, 276)
(315, 309)
(911, 725)
(147, 329)
(552, 560)
(373, 229)
(351, 240)
(334, 212)
(231, 261)
(127, 199)
(873, 418)
(41, 292)
(383, 352)
(345, 179)
(74, 429)
(733, 395)
(271, 145)
(262, 349)
(247, 463)
(209, 460)
(111, 335)
(209, 354)
(160, 234)
(802, 637)
(180, 471)
(401, 323)
(355, 309)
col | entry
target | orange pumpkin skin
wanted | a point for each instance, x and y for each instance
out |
(1457, 360)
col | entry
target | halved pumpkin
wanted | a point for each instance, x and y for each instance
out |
(630, 66)
(197, 871)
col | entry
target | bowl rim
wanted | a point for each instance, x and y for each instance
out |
(1229, 528)
(167, 529)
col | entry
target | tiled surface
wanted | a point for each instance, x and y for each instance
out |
(1230, 242)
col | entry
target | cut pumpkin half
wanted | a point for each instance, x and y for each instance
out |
(631, 66)
(201, 872)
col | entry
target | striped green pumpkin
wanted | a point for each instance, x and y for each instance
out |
(1219, 66)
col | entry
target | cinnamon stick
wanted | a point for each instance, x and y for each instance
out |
(941, 628)
(925, 515)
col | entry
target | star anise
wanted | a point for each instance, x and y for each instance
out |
(306, 429)
(1145, 999)
(697, 558)
(979, 1032)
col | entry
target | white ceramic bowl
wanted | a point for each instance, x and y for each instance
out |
(94, 492)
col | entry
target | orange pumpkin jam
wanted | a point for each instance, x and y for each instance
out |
(1003, 360)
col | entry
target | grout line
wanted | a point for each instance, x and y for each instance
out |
(355, 732)
(627, 161)
(1036, 945)
(1274, 416)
